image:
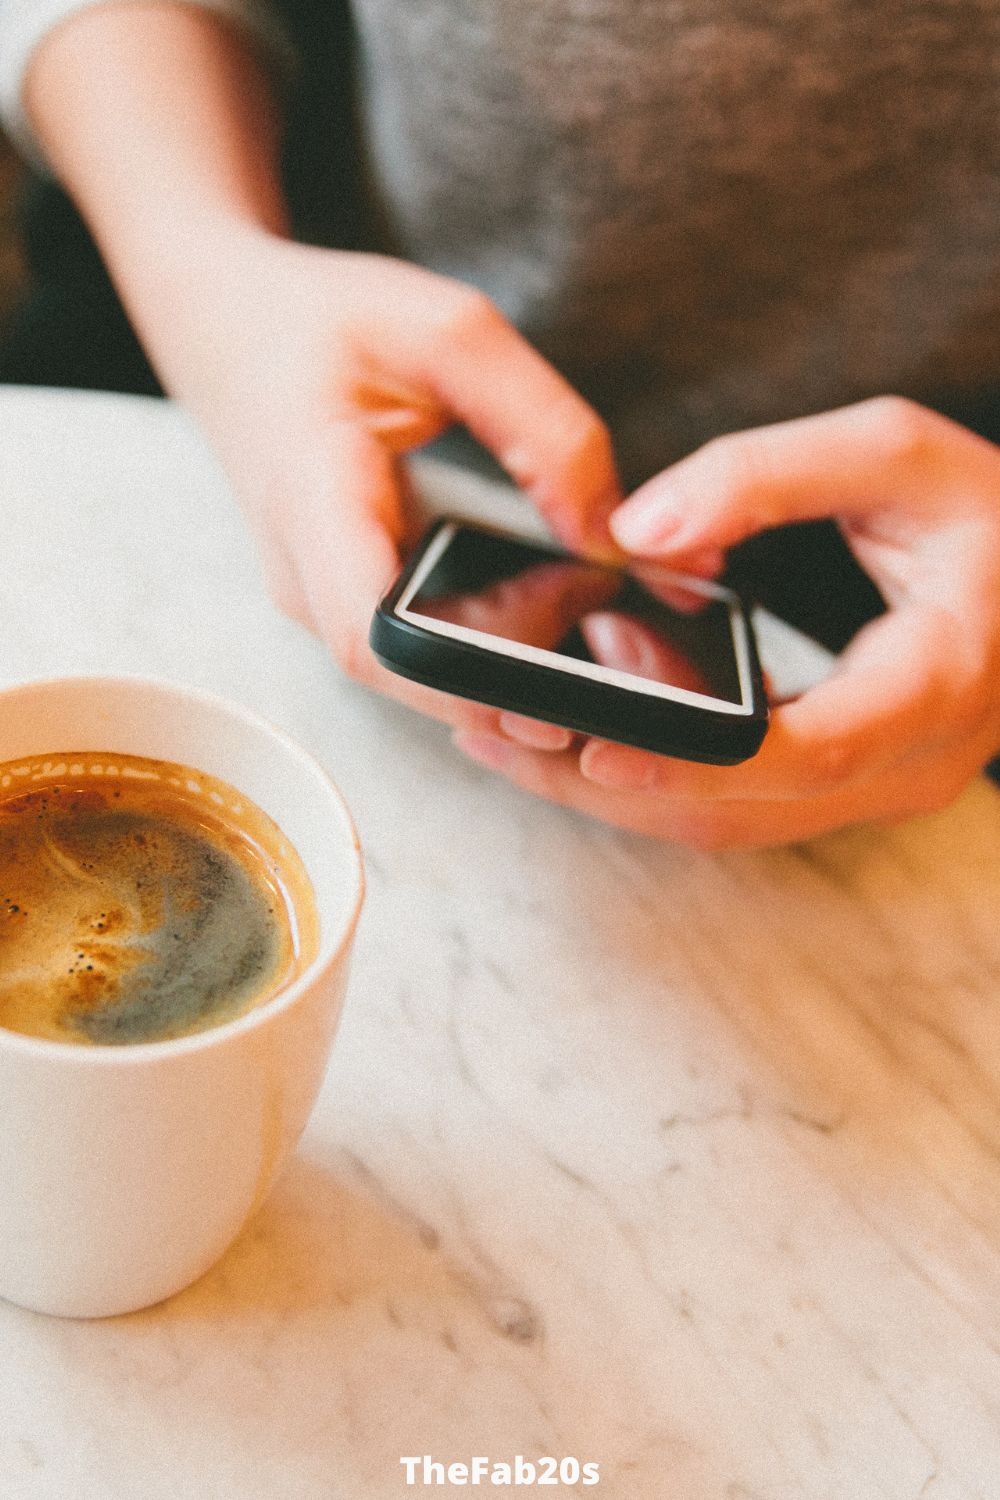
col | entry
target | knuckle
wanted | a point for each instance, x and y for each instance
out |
(970, 713)
(834, 764)
(466, 318)
(904, 427)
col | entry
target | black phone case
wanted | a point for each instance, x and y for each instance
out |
(540, 692)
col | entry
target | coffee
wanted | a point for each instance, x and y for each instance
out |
(141, 901)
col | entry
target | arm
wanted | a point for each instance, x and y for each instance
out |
(312, 371)
(161, 123)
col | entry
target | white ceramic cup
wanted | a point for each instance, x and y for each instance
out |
(126, 1171)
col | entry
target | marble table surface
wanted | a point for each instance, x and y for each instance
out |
(686, 1165)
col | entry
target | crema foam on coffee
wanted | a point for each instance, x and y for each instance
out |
(141, 901)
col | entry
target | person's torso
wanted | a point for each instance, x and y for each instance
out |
(709, 213)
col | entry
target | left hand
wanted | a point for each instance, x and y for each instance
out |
(912, 711)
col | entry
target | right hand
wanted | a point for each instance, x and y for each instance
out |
(320, 369)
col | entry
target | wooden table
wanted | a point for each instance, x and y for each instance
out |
(687, 1165)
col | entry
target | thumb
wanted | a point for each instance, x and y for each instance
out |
(838, 463)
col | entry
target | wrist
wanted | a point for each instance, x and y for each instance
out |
(194, 295)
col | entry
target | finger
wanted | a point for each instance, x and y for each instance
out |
(401, 416)
(344, 523)
(416, 516)
(537, 607)
(534, 733)
(550, 441)
(672, 588)
(629, 645)
(888, 701)
(885, 452)
(701, 824)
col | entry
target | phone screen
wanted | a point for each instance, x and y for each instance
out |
(682, 635)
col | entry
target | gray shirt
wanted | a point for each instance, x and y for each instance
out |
(708, 213)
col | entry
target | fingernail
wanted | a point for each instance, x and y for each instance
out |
(486, 749)
(618, 768)
(643, 522)
(534, 733)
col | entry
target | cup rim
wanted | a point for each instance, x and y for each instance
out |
(107, 1055)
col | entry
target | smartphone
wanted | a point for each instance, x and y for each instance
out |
(645, 656)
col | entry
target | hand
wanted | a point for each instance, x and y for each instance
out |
(330, 367)
(312, 371)
(912, 711)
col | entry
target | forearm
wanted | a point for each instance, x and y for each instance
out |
(162, 125)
